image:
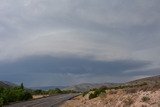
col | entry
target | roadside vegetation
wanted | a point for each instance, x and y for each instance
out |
(19, 93)
(14, 94)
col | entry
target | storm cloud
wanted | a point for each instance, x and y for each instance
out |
(72, 65)
(114, 39)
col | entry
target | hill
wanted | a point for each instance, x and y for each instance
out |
(149, 80)
(130, 94)
(87, 86)
(6, 84)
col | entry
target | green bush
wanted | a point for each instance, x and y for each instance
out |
(91, 96)
(145, 99)
(68, 91)
(19, 93)
(38, 92)
(1, 102)
(58, 91)
(84, 93)
(8, 95)
(97, 92)
(27, 95)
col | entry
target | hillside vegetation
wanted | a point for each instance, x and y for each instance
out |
(88, 86)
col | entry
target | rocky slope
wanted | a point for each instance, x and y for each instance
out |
(118, 99)
(132, 95)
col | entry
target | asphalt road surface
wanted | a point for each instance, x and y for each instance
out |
(52, 101)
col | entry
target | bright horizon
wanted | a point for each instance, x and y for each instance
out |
(66, 42)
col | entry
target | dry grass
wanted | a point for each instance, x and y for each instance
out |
(119, 98)
(145, 99)
(128, 101)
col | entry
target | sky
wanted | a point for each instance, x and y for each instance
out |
(67, 42)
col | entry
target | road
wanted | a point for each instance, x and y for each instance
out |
(51, 101)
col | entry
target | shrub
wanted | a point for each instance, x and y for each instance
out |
(145, 99)
(103, 88)
(27, 96)
(91, 96)
(84, 93)
(102, 95)
(1, 102)
(131, 90)
(97, 92)
(68, 91)
(8, 95)
(57, 90)
(113, 91)
(145, 105)
(128, 102)
(38, 92)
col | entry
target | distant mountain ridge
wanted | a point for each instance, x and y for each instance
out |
(47, 87)
(7, 84)
(87, 86)
(149, 80)
(79, 88)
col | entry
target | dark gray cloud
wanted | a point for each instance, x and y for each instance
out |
(119, 35)
(74, 65)
(30, 68)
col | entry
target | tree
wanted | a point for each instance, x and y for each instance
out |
(22, 86)
(57, 90)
